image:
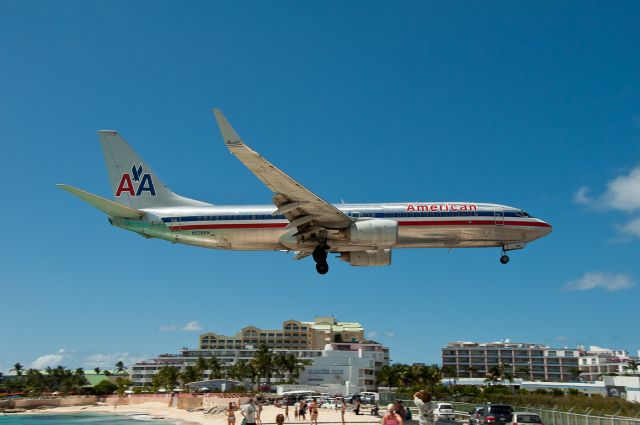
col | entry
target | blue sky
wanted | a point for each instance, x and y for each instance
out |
(535, 105)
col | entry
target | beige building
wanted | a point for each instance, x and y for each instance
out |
(535, 362)
(294, 335)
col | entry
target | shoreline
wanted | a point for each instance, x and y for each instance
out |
(161, 411)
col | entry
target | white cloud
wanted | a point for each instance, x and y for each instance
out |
(623, 192)
(631, 229)
(560, 338)
(582, 196)
(108, 360)
(372, 334)
(609, 281)
(391, 334)
(168, 328)
(49, 360)
(192, 326)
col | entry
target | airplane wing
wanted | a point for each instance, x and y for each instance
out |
(305, 210)
(106, 206)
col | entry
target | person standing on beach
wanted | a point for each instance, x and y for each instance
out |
(313, 410)
(230, 412)
(286, 410)
(343, 410)
(392, 417)
(258, 412)
(303, 410)
(422, 400)
(248, 411)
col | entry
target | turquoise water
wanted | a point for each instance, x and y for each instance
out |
(81, 418)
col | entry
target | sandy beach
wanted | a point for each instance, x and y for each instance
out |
(157, 410)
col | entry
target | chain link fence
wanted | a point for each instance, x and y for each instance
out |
(557, 417)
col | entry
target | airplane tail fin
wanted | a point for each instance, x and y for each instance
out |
(133, 183)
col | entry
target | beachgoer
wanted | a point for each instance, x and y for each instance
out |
(375, 409)
(399, 408)
(303, 410)
(314, 412)
(286, 409)
(296, 410)
(280, 418)
(258, 412)
(392, 417)
(249, 412)
(343, 409)
(357, 409)
(422, 400)
(231, 413)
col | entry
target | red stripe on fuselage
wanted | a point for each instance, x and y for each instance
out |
(400, 223)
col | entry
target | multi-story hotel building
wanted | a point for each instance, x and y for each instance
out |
(324, 342)
(294, 335)
(529, 361)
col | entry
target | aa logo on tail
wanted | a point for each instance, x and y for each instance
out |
(140, 183)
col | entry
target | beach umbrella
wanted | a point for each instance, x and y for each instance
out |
(177, 389)
(162, 390)
(128, 392)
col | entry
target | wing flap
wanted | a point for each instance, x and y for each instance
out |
(106, 206)
(293, 199)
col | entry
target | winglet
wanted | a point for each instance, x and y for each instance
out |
(106, 206)
(228, 133)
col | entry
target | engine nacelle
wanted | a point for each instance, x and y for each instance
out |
(380, 257)
(373, 232)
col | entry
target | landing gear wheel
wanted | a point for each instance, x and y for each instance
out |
(322, 267)
(320, 253)
(504, 259)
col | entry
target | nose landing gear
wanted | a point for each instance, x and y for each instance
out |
(320, 257)
(504, 259)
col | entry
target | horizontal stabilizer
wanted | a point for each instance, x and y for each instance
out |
(106, 206)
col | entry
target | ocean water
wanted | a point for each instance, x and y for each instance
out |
(82, 418)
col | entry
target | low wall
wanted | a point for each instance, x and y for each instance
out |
(32, 403)
(137, 399)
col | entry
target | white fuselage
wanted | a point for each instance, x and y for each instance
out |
(420, 225)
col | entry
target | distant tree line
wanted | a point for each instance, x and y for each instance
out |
(60, 380)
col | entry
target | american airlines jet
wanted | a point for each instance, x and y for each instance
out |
(299, 220)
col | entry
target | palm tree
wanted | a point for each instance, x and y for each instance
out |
(123, 384)
(120, 367)
(449, 372)
(18, 368)
(263, 362)
(167, 376)
(575, 373)
(190, 374)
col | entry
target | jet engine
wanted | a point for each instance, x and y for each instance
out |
(373, 232)
(380, 257)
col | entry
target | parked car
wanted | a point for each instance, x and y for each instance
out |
(526, 418)
(475, 414)
(443, 412)
(495, 414)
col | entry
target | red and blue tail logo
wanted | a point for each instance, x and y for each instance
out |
(136, 186)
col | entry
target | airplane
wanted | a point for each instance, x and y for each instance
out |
(298, 220)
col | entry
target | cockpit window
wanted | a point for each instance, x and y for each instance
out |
(526, 214)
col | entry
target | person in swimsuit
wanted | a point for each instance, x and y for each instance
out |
(314, 412)
(258, 412)
(230, 412)
(392, 418)
(303, 410)
(286, 409)
(343, 409)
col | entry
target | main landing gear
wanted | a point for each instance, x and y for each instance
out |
(320, 257)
